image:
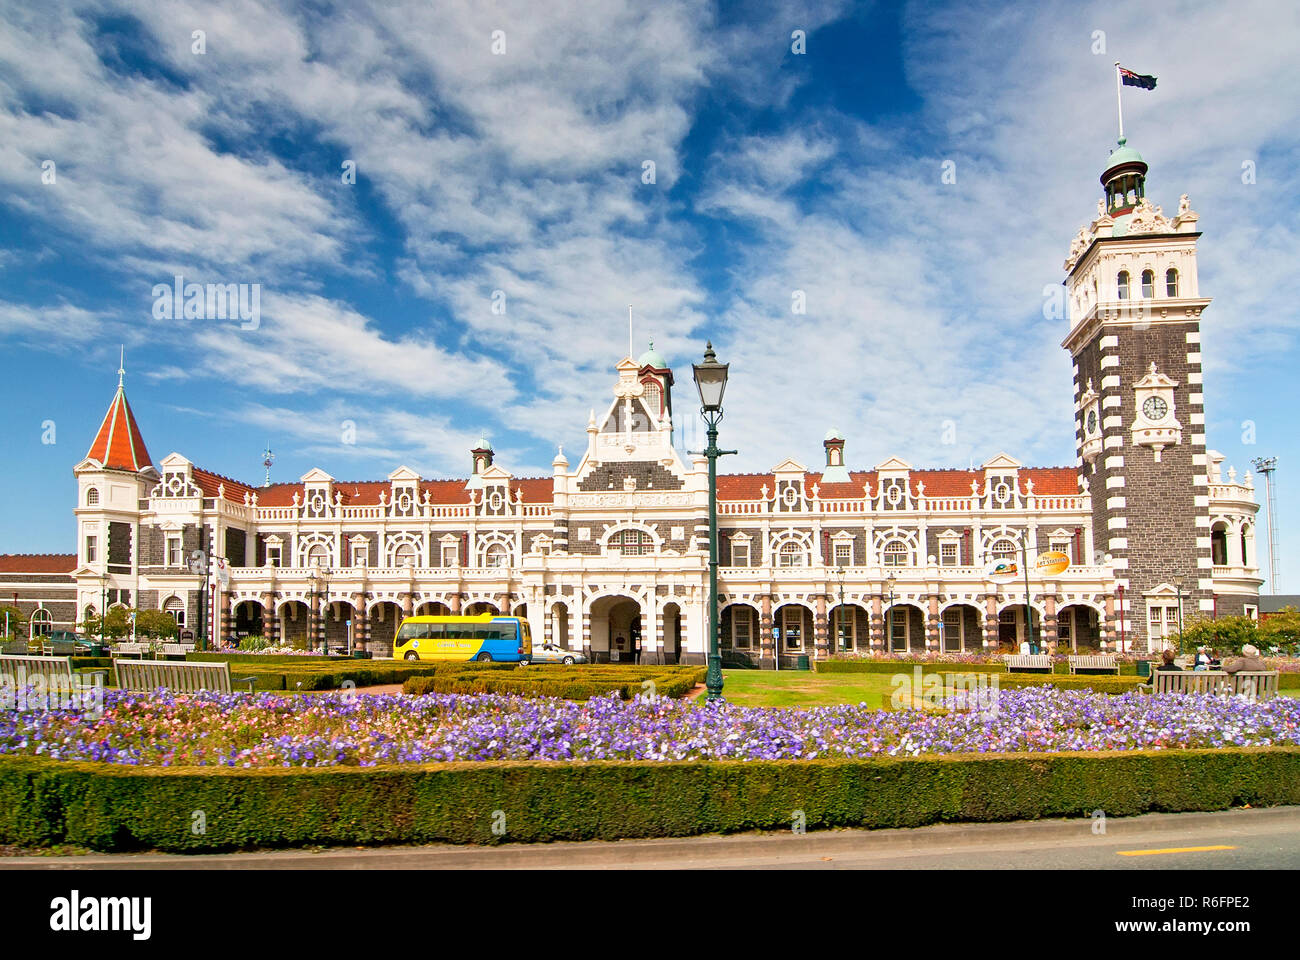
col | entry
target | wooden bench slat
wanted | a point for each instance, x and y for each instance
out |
(181, 676)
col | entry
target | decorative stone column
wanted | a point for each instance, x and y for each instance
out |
(990, 621)
(821, 630)
(1049, 621)
(1109, 628)
(360, 622)
(877, 625)
(766, 644)
(224, 618)
(932, 625)
(270, 621)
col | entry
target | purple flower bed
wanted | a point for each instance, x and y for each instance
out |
(267, 730)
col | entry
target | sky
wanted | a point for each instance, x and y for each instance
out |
(447, 208)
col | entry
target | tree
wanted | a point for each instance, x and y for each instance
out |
(1282, 630)
(1224, 635)
(155, 623)
(17, 622)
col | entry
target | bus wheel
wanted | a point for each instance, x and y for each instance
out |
(485, 658)
(412, 655)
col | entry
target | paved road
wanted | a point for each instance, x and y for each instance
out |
(1239, 839)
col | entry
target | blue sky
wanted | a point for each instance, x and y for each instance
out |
(522, 172)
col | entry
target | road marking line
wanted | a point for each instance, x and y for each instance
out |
(1148, 853)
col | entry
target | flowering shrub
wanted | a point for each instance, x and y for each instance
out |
(264, 730)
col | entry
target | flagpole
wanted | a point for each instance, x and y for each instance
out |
(1119, 103)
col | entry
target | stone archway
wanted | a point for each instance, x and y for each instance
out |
(246, 621)
(615, 629)
(295, 624)
(384, 618)
(1078, 629)
(671, 633)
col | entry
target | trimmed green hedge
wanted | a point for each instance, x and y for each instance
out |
(569, 683)
(264, 657)
(892, 666)
(110, 807)
(1097, 683)
(331, 675)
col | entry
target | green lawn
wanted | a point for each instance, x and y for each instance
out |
(804, 688)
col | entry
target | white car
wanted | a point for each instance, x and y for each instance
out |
(551, 653)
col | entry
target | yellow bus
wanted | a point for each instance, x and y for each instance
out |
(485, 638)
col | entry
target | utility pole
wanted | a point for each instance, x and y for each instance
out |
(1266, 466)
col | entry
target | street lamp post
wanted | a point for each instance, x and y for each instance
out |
(711, 382)
(1178, 585)
(841, 643)
(103, 600)
(199, 567)
(1030, 634)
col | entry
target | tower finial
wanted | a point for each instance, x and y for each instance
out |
(121, 365)
(630, 349)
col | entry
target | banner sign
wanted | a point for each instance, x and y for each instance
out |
(1052, 563)
(1003, 571)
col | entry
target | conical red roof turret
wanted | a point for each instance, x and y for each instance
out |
(118, 445)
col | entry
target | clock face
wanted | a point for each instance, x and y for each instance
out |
(1092, 421)
(1155, 408)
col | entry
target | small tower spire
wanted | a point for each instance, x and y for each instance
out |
(121, 365)
(629, 329)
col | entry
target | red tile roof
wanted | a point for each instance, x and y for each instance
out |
(365, 492)
(38, 562)
(1048, 482)
(118, 444)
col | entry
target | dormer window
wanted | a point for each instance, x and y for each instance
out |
(1171, 282)
(1148, 284)
(92, 497)
(1122, 284)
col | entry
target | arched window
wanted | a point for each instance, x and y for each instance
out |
(404, 555)
(92, 497)
(1003, 550)
(896, 554)
(632, 543)
(1122, 283)
(654, 397)
(1246, 559)
(1148, 284)
(790, 554)
(176, 607)
(496, 555)
(1219, 545)
(41, 622)
(318, 555)
(1171, 282)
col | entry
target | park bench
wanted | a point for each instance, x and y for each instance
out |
(1094, 662)
(137, 650)
(1027, 662)
(175, 649)
(16, 648)
(182, 677)
(1257, 684)
(59, 648)
(19, 670)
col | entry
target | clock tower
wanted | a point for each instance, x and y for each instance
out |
(1135, 312)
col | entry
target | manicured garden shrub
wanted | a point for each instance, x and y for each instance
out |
(568, 683)
(938, 666)
(116, 807)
